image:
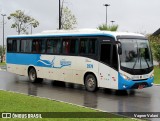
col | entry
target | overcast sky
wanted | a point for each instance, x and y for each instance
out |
(140, 16)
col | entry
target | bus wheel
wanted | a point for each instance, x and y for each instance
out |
(32, 75)
(91, 83)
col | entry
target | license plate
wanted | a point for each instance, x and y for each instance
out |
(141, 86)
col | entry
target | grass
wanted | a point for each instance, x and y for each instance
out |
(2, 64)
(13, 102)
(156, 75)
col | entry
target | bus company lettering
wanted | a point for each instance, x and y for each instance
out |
(48, 62)
(63, 62)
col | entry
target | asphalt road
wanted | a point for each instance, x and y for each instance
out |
(145, 100)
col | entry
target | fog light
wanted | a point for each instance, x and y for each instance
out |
(151, 83)
(124, 86)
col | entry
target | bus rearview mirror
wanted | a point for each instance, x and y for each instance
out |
(119, 50)
(119, 47)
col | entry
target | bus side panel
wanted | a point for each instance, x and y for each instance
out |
(108, 77)
(54, 67)
(18, 63)
(17, 69)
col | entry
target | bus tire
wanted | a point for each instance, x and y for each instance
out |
(32, 74)
(91, 83)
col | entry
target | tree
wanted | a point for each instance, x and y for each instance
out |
(21, 21)
(108, 28)
(155, 44)
(68, 20)
(2, 53)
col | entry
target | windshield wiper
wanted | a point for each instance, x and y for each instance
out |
(147, 62)
(136, 58)
(135, 63)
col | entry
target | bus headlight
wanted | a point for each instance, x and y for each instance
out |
(152, 75)
(125, 77)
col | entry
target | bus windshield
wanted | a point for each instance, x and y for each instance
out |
(136, 54)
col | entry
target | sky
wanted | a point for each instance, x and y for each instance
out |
(140, 16)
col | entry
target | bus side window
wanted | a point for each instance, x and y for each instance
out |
(69, 46)
(35, 46)
(66, 46)
(55, 43)
(51, 46)
(76, 46)
(73, 46)
(14, 45)
(88, 45)
(18, 45)
(83, 46)
(9, 45)
(22, 45)
(43, 46)
(91, 46)
(59, 46)
(28, 46)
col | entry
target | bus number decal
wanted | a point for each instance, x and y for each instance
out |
(89, 65)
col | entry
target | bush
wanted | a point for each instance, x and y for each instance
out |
(155, 44)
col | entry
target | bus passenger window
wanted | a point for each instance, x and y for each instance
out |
(14, 45)
(28, 46)
(83, 46)
(88, 45)
(66, 46)
(22, 45)
(59, 46)
(55, 44)
(36, 46)
(49, 46)
(18, 45)
(9, 45)
(91, 46)
(43, 46)
(73, 46)
(69, 46)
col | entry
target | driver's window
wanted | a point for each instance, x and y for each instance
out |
(105, 53)
(108, 57)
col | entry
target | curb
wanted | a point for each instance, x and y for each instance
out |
(2, 69)
(156, 84)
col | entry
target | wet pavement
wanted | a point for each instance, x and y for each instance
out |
(145, 100)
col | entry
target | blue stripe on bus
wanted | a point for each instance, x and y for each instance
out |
(61, 35)
(34, 59)
(22, 59)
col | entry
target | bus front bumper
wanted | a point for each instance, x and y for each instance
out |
(130, 84)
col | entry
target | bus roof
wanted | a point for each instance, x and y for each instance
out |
(78, 32)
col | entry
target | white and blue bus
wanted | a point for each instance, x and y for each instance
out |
(93, 58)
